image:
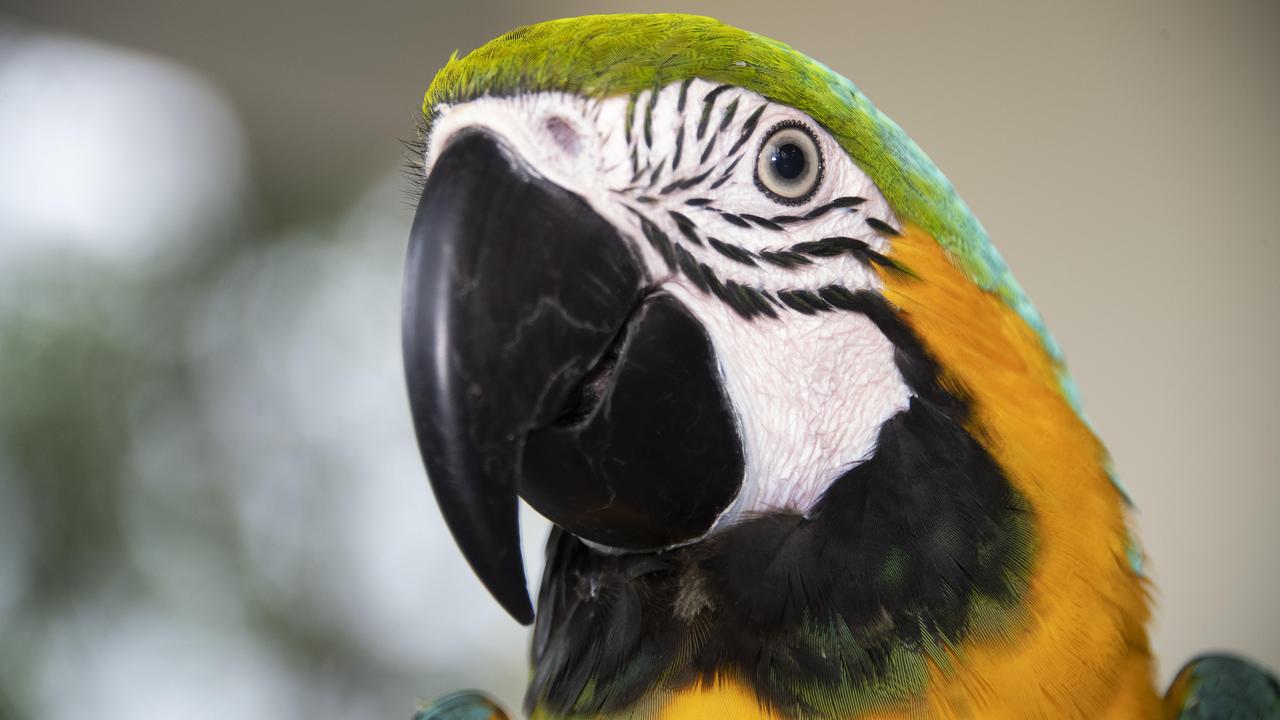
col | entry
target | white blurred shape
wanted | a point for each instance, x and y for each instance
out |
(109, 152)
(142, 662)
(166, 527)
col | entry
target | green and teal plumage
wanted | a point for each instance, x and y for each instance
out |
(1223, 687)
(464, 705)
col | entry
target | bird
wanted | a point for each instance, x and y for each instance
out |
(807, 448)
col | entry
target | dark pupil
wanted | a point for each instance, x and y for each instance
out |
(788, 161)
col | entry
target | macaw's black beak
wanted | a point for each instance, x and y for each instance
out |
(540, 362)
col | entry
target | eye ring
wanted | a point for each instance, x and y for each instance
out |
(789, 163)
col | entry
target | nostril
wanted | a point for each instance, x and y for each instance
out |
(564, 134)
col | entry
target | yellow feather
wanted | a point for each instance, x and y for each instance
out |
(1083, 649)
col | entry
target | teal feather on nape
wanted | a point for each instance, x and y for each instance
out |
(1225, 686)
(465, 705)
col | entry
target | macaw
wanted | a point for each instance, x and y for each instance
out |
(808, 449)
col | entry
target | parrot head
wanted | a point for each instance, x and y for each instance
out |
(695, 300)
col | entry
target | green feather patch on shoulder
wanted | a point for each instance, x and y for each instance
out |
(465, 705)
(1224, 686)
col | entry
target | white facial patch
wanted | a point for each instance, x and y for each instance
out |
(676, 171)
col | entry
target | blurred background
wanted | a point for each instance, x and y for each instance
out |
(211, 505)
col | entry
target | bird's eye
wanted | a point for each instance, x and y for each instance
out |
(789, 166)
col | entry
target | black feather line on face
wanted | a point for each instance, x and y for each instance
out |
(729, 112)
(687, 227)
(803, 301)
(653, 177)
(631, 114)
(761, 300)
(733, 252)
(711, 144)
(883, 227)
(763, 222)
(900, 556)
(784, 258)
(707, 153)
(657, 238)
(708, 103)
(728, 171)
(744, 300)
(684, 95)
(836, 246)
(648, 117)
(686, 183)
(690, 268)
(748, 128)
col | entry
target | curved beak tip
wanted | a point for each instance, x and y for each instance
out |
(487, 249)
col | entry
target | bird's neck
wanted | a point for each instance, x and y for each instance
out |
(977, 564)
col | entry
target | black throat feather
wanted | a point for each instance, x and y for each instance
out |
(904, 558)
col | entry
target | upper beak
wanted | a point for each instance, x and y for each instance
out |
(540, 362)
(513, 287)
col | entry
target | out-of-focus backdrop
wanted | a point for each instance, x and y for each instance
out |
(211, 505)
